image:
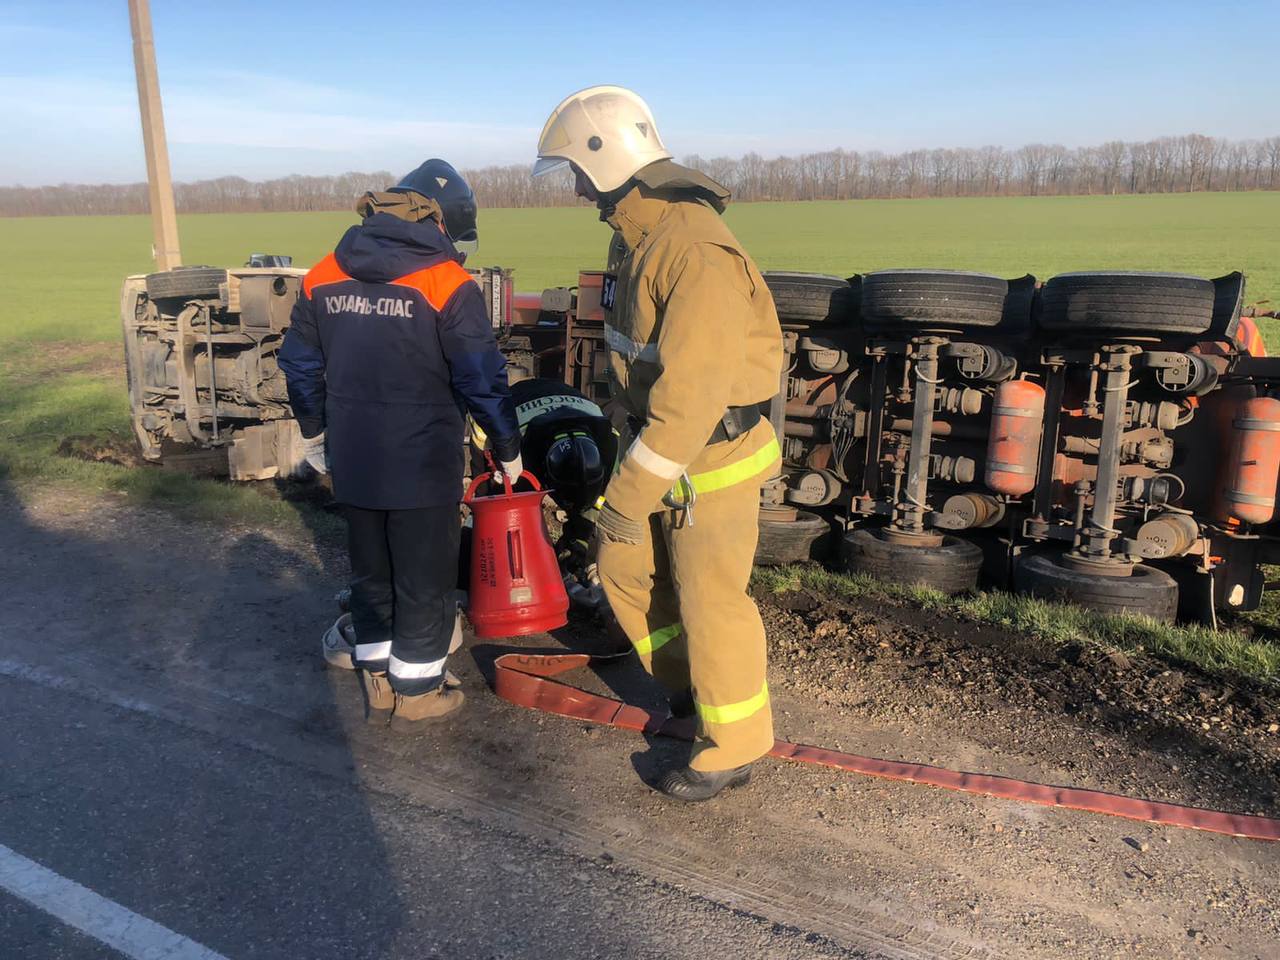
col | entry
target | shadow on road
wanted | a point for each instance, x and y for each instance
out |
(155, 814)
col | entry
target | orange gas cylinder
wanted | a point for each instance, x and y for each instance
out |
(1254, 460)
(515, 586)
(1017, 419)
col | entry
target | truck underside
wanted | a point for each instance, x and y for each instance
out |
(1101, 438)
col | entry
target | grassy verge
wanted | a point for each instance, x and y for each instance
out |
(54, 390)
(1219, 652)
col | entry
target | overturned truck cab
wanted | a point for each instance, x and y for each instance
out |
(200, 349)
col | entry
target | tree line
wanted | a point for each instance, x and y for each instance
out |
(1183, 164)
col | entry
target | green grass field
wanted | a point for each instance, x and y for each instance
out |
(60, 359)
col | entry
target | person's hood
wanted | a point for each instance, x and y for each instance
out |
(677, 178)
(636, 209)
(385, 247)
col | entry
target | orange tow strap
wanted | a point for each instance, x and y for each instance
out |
(523, 679)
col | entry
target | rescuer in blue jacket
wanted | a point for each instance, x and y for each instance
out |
(389, 347)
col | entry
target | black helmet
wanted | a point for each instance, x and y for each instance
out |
(575, 469)
(438, 181)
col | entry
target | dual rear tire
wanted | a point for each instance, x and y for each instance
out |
(1146, 591)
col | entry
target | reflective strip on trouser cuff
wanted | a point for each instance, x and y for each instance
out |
(366, 652)
(649, 459)
(414, 671)
(744, 469)
(733, 712)
(659, 638)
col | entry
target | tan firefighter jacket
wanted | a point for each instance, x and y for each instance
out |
(692, 331)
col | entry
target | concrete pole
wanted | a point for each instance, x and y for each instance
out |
(164, 217)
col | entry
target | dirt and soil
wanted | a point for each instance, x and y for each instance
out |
(226, 619)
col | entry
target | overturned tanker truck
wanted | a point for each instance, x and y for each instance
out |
(1110, 438)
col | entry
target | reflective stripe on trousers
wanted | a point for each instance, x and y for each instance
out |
(656, 640)
(372, 652)
(733, 712)
(404, 670)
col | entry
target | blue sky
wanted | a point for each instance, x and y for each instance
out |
(263, 89)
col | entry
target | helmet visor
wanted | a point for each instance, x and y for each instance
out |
(547, 165)
(468, 248)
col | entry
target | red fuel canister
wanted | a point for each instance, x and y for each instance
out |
(1017, 419)
(515, 585)
(1254, 460)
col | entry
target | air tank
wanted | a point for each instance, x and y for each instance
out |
(1017, 419)
(1254, 461)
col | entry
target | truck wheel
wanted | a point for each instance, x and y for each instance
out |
(792, 541)
(186, 283)
(897, 299)
(950, 568)
(812, 297)
(1125, 302)
(1146, 591)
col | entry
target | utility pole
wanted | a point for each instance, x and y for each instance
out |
(164, 217)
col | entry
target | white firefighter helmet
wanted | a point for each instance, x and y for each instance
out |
(607, 132)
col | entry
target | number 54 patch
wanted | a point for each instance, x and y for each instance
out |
(608, 290)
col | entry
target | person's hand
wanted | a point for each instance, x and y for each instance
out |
(512, 469)
(314, 451)
(614, 527)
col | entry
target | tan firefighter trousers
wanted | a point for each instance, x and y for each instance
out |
(681, 598)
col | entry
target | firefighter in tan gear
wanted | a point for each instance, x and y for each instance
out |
(695, 349)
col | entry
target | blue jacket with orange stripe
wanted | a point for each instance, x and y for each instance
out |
(389, 343)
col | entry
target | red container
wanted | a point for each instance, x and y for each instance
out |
(1017, 418)
(1255, 460)
(515, 587)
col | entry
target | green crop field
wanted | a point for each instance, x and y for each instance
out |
(61, 365)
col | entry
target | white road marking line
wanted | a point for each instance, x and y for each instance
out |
(118, 927)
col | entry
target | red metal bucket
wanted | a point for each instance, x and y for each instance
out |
(515, 586)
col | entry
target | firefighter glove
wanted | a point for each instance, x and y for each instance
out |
(615, 527)
(314, 452)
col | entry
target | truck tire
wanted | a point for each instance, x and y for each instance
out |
(913, 299)
(186, 283)
(805, 538)
(1145, 592)
(813, 298)
(1127, 302)
(950, 568)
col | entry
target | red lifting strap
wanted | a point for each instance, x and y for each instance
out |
(522, 679)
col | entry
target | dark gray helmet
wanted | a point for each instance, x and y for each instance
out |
(575, 469)
(438, 181)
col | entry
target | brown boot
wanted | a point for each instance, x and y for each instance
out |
(411, 712)
(379, 699)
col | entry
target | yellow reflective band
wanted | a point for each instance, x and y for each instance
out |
(733, 712)
(659, 638)
(599, 502)
(753, 465)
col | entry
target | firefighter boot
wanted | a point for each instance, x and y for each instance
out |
(412, 713)
(378, 698)
(694, 786)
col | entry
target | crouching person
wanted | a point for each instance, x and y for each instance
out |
(389, 347)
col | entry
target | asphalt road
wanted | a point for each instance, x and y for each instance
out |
(254, 857)
(182, 776)
(175, 754)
